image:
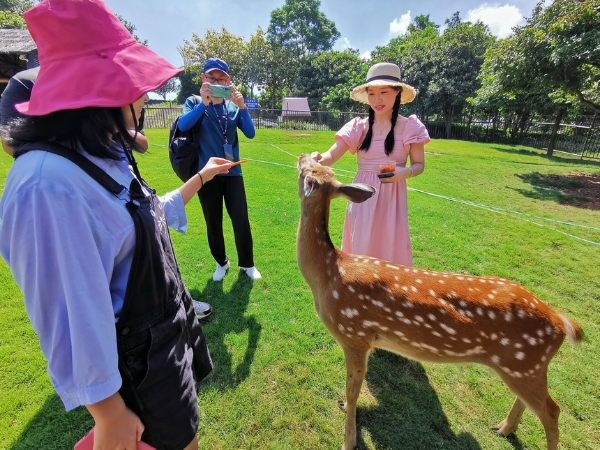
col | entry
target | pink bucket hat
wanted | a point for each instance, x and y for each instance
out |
(88, 58)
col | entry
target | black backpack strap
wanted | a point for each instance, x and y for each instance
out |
(175, 132)
(78, 159)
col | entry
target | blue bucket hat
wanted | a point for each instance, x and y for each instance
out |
(215, 64)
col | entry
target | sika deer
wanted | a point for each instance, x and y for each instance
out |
(367, 303)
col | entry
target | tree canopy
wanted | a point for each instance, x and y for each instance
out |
(11, 13)
(131, 28)
(325, 79)
(170, 86)
(556, 55)
(300, 27)
(442, 67)
(18, 6)
(221, 44)
(543, 67)
(546, 65)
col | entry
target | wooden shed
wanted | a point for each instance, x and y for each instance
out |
(17, 52)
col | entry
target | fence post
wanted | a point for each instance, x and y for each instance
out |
(587, 138)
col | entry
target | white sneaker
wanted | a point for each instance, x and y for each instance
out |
(252, 272)
(220, 272)
(202, 309)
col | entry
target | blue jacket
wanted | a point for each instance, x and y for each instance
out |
(212, 137)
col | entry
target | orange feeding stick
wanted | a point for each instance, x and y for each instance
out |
(241, 161)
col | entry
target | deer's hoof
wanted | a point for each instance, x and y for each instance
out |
(497, 432)
(342, 406)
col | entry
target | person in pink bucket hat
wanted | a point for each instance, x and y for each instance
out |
(87, 238)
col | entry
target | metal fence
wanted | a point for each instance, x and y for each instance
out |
(161, 117)
(581, 138)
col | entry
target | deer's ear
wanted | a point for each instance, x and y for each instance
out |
(309, 185)
(357, 192)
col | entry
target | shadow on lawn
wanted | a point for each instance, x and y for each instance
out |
(53, 428)
(408, 414)
(228, 318)
(573, 159)
(579, 190)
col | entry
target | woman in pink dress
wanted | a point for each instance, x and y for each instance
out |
(379, 226)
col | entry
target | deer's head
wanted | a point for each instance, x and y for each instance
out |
(318, 182)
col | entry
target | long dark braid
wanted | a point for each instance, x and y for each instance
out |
(366, 143)
(389, 140)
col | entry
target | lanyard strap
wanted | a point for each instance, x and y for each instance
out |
(223, 129)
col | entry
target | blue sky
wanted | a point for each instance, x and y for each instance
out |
(363, 24)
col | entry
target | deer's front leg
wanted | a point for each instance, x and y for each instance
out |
(356, 367)
(511, 422)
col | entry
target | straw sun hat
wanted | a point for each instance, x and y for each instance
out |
(383, 74)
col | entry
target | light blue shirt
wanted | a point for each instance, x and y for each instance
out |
(69, 244)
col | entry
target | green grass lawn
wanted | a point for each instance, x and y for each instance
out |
(278, 373)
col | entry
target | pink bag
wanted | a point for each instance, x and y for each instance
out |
(87, 443)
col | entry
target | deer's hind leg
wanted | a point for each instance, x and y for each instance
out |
(532, 392)
(356, 368)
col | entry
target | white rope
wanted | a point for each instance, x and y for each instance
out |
(496, 209)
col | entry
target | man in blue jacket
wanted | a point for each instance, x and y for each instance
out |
(219, 118)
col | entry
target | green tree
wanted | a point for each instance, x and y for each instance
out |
(11, 13)
(300, 27)
(19, 6)
(170, 86)
(505, 89)
(12, 20)
(565, 40)
(254, 70)
(279, 74)
(552, 60)
(220, 44)
(442, 67)
(422, 22)
(456, 61)
(253, 64)
(328, 77)
(189, 83)
(131, 28)
(453, 21)
(413, 53)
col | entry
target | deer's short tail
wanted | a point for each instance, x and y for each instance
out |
(574, 331)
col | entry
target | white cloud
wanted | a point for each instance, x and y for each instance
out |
(500, 19)
(366, 55)
(399, 26)
(342, 44)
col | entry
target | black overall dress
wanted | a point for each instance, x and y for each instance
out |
(162, 349)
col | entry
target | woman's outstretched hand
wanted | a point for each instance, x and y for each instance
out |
(316, 156)
(213, 167)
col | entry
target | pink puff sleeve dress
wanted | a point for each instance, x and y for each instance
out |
(378, 227)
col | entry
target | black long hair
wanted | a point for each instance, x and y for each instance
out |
(94, 129)
(389, 139)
